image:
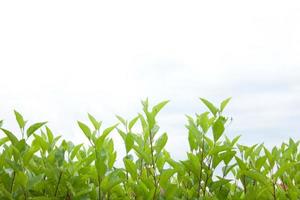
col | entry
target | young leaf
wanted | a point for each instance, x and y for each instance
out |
(75, 151)
(34, 127)
(131, 168)
(3, 140)
(95, 123)
(129, 142)
(49, 135)
(158, 107)
(85, 129)
(20, 119)
(122, 120)
(105, 133)
(13, 139)
(210, 106)
(161, 142)
(132, 122)
(256, 176)
(224, 104)
(218, 129)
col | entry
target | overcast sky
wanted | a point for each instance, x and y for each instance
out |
(62, 59)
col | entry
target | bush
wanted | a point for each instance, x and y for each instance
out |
(51, 168)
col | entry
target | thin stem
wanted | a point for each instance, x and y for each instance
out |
(68, 196)
(99, 189)
(201, 166)
(274, 191)
(244, 184)
(25, 193)
(57, 185)
(273, 184)
(153, 165)
(207, 177)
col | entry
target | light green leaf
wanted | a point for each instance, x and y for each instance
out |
(256, 176)
(105, 133)
(85, 129)
(241, 164)
(165, 177)
(161, 142)
(224, 104)
(20, 119)
(49, 135)
(158, 107)
(210, 106)
(218, 129)
(13, 139)
(122, 120)
(34, 127)
(21, 179)
(131, 168)
(129, 142)
(282, 169)
(3, 140)
(95, 123)
(75, 151)
(132, 122)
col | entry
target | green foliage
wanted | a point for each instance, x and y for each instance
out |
(216, 167)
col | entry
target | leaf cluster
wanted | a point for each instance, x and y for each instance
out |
(39, 165)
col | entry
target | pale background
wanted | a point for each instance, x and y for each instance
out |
(62, 59)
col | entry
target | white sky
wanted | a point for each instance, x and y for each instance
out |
(62, 59)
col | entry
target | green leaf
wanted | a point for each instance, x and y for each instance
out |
(210, 106)
(95, 123)
(109, 129)
(256, 176)
(161, 142)
(49, 135)
(21, 179)
(13, 139)
(241, 164)
(142, 154)
(110, 181)
(234, 141)
(41, 142)
(192, 141)
(100, 162)
(85, 129)
(165, 177)
(129, 142)
(132, 122)
(4, 193)
(218, 129)
(122, 120)
(28, 155)
(20, 119)
(3, 140)
(75, 151)
(282, 169)
(270, 158)
(224, 104)
(158, 107)
(34, 127)
(260, 161)
(227, 156)
(203, 121)
(105, 133)
(131, 168)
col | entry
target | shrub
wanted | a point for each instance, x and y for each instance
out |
(216, 167)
